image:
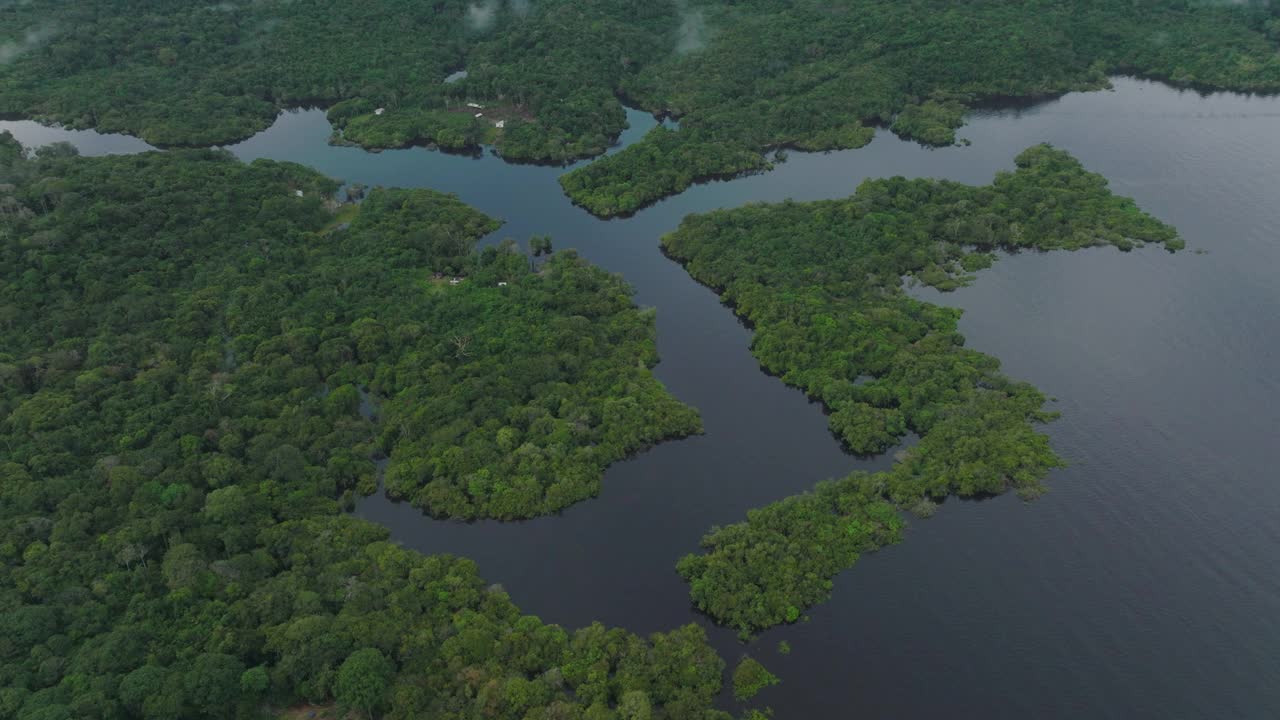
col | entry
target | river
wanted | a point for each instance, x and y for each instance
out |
(1144, 584)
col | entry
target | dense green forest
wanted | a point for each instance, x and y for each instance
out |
(506, 394)
(181, 73)
(183, 339)
(742, 75)
(822, 284)
(818, 75)
(750, 677)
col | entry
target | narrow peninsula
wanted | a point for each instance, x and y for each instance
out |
(822, 284)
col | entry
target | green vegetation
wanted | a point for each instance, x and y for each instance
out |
(742, 76)
(507, 394)
(931, 122)
(178, 73)
(817, 74)
(822, 285)
(363, 680)
(750, 677)
(181, 342)
(765, 571)
(454, 131)
(515, 398)
(666, 162)
(784, 647)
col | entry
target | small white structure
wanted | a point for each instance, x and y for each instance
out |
(500, 124)
(455, 281)
(477, 106)
(298, 193)
(502, 284)
(479, 115)
(379, 111)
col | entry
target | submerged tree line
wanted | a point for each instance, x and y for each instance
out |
(184, 339)
(545, 77)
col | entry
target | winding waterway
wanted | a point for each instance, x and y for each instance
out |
(1145, 584)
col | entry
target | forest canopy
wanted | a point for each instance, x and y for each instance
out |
(742, 76)
(819, 75)
(184, 343)
(505, 389)
(822, 284)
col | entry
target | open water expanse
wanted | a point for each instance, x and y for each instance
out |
(1146, 584)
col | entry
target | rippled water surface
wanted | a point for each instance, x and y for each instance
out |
(1145, 584)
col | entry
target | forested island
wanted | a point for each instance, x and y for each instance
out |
(750, 677)
(822, 285)
(545, 78)
(183, 340)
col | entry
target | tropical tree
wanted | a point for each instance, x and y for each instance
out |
(363, 680)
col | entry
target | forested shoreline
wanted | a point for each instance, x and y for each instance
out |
(185, 337)
(822, 285)
(544, 77)
(188, 343)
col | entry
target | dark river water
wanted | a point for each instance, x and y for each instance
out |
(1146, 584)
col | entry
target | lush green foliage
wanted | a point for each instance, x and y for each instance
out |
(766, 570)
(511, 391)
(363, 680)
(750, 677)
(182, 340)
(666, 162)
(507, 393)
(449, 130)
(524, 392)
(816, 74)
(822, 284)
(176, 72)
(932, 122)
(743, 75)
